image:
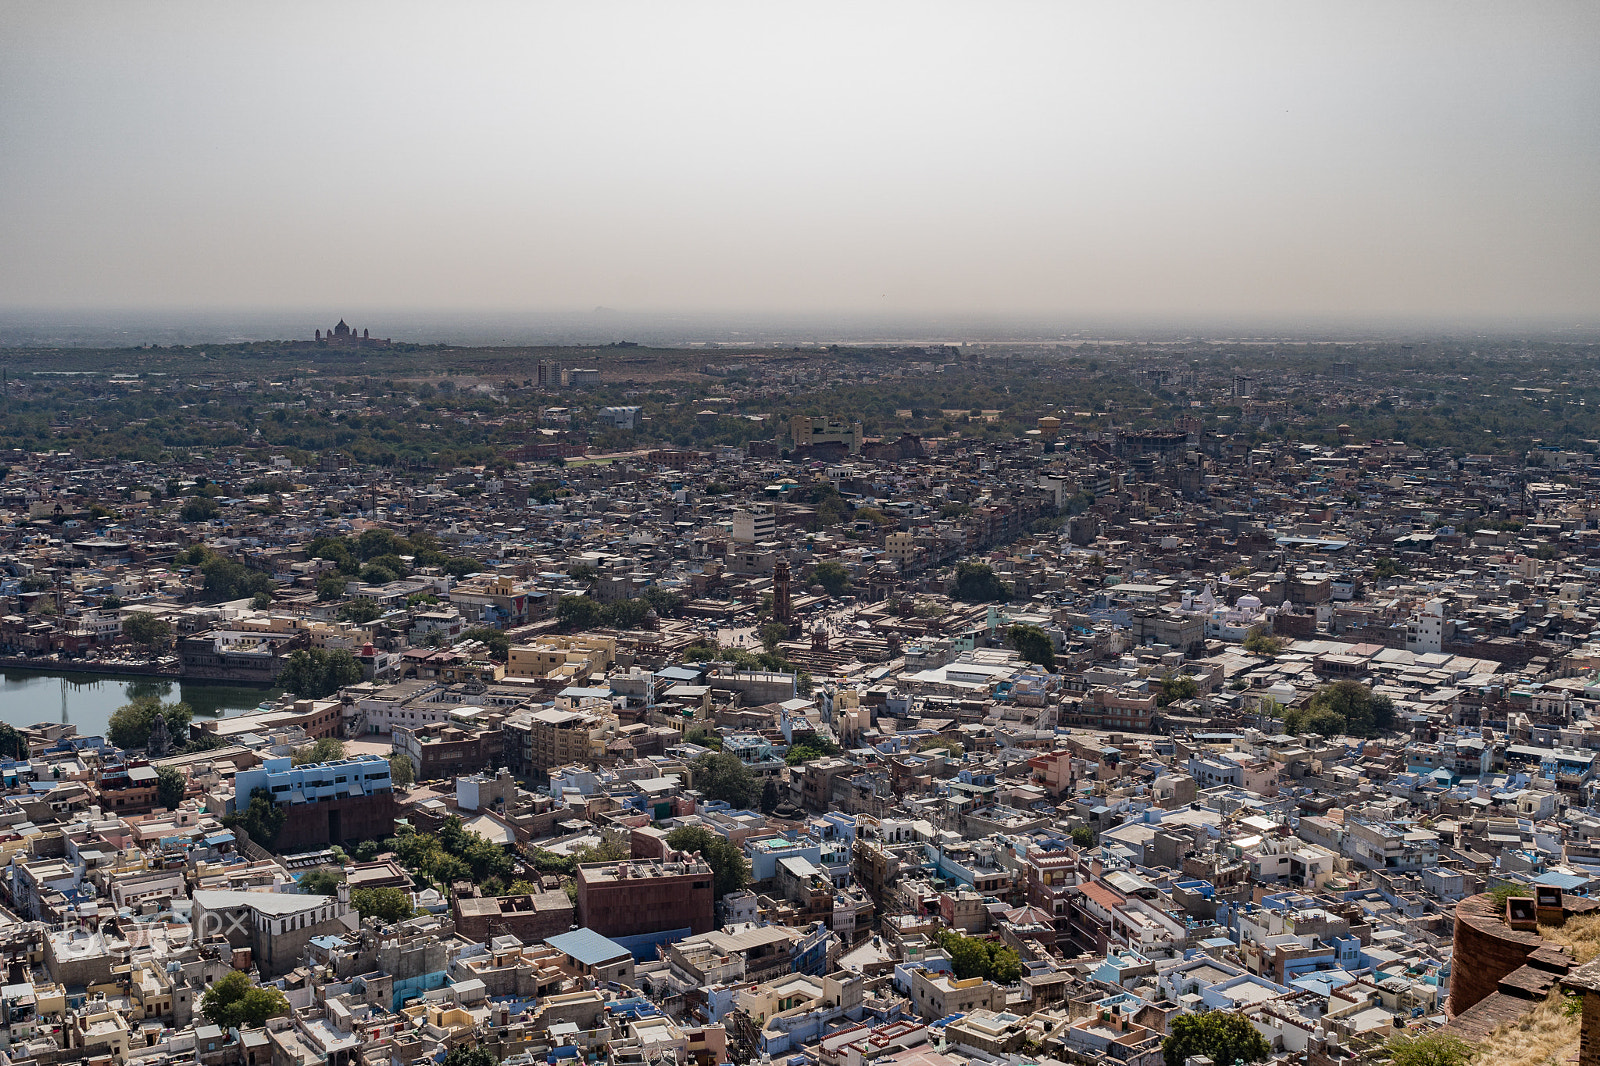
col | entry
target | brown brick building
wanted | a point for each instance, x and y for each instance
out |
(530, 918)
(636, 896)
(444, 749)
(334, 821)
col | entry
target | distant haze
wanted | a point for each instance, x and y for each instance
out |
(1054, 161)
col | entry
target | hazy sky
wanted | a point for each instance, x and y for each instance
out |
(1114, 158)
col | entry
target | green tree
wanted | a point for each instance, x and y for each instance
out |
(1429, 1049)
(1385, 567)
(261, 601)
(232, 1002)
(1175, 687)
(1500, 893)
(131, 723)
(11, 743)
(727, 862)
(147, 632)
(1083, 836)
(1343, 708)
(976, 583)
(498, 643)
(772, 634)
(833, 576)
(317, 673)
(624, 614)
(361, 611)
(483, 857)
(578, 613)
(385, 904)
(1306, 719)
(610, 849)
(968, 957)
(462, 1055)
(1005, 967)
(807, 748)
(323, 881)
(200, 509)
(224, 578)
(1260, 643)
(1366, 713)
(330, 587)
(989, 959)
(666, 604)
(401, 772)
(1221, 1036)
(171, 784)
(1033, 644)
(378, 574)
(323, 749)
(725, 777)
(462, 566)
(262, 819)
(703, 735)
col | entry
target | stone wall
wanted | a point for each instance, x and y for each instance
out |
(1485, 950)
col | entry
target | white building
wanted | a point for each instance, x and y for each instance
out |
(754, 525)
(620, 417)
(1425, 629)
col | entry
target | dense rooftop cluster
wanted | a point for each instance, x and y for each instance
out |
(962, 739)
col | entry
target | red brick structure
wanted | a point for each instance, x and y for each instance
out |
(633, 897)
(1489, 948)
(315, 825)
(1500, 973)
(530, 918)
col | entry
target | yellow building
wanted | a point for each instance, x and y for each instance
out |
(807, 431)
(564, 659)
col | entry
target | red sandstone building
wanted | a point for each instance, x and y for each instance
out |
(636, 896)
(1501, 967)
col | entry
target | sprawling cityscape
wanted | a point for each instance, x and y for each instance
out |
(1087, 702)
(909, 533)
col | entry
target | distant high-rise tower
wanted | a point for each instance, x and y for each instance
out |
(544, 374)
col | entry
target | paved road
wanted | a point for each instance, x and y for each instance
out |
(838, 619)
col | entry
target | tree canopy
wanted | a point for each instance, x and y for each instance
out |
(976, 583)
(726, 860)
(146, 631)
(232, 1002)
(261, 818)
(498, 643)
(1033, 644)
(1344, 708)
(725, 777)
(1223, 1037)
(317, 673)
(971, 957)
(462, 1055)
(833, 576)
(401, 771)
(387, 904)
(805, 749)
(130, 724)
(323, 749)
(171, 784)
